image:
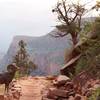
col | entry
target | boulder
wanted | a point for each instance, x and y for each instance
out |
(58, 92)
(61, 80)
(69, 86)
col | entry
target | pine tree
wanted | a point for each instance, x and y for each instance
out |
(22, 59)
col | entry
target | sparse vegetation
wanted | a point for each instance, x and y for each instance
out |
(23, 61)
(95, 95)
(91, 54)
(70, 15)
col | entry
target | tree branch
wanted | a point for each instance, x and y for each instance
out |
(57, 35)
(61, 13)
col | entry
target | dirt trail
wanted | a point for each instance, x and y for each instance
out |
(31, 87)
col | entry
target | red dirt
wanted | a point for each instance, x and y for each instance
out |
(32, 87)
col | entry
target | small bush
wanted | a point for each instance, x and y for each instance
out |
(95, 94)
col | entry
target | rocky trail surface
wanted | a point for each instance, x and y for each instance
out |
(27, 88)
(32, 87)
(52, 88)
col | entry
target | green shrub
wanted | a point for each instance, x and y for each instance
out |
(95, 94)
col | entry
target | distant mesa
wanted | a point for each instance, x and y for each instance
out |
(46, 51)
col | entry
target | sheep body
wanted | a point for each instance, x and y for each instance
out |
(7, 77)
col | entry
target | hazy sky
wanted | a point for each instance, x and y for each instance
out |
(25, 17)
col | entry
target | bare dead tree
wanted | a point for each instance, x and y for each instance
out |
(70, 15)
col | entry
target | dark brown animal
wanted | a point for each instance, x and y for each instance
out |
(7, 77)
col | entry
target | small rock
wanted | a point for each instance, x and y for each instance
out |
(78, 97)
(96, 86)
(45, 98)
(98, 97)
(50, 77)
(1, 97)
(71, 98)
(88, 92)
(51, 95)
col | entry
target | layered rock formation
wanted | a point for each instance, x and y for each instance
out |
(46, 52)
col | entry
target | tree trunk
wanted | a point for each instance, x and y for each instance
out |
(74, 38)
(72, 55)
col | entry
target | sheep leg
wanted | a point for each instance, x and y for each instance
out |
(6, 88)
